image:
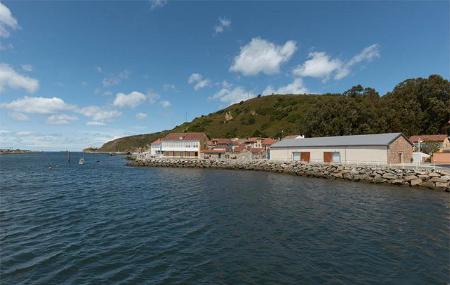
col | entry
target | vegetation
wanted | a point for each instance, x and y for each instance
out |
(415, 106)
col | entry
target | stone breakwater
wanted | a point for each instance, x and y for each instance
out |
(428, 178)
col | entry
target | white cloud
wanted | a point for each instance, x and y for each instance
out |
(115, 78)
(233, 95)
(27, 67)
(154, 4)
(321, 65)
(38, 105)
(7, 21)
(165, 104)
(98, 114)
(261, 56)
(95, 123)
(141, 116)
(130, 100)
(296, 87)
(198, 81)
(222, 25)
(367, 54)
(18, 116)
(9, 78)
(152, 97)
(60, 119)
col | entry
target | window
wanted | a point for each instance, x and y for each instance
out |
(296, 156)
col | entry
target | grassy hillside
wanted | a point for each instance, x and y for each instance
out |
(414, 106)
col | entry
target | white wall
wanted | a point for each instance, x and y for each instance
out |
(180, 146)
(354, 154)
(154, 148)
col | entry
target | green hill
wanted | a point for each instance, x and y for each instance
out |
(415, 106)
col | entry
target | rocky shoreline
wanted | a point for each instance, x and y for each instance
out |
(426, 178)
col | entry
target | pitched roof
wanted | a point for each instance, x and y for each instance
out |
(184, 137)
(268, 141)
(221, 141)
(158, 141)
(428, 138)
(216, 150)
(358, 140)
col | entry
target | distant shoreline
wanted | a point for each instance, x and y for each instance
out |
(14, 151)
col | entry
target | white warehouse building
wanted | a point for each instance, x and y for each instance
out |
(389, 148)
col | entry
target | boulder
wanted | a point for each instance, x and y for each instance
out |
(390, 176)
(415, 182)
(409, 177)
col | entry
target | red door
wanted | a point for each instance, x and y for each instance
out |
(327, 156)
(305, 156)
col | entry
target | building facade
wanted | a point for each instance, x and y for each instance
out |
(183, 145)
(391, 148)
(155, 148)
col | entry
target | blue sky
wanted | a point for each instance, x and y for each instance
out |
(75, 74)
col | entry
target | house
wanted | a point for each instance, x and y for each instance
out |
(430, 143)
(224, 143)
(183, 145)
(155, 148)
(375, 148)
(217, 153)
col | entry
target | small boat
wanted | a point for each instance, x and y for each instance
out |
(81, 162)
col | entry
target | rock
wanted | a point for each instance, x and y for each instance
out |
(415, 182)
(390, 176)
(441, 184)
(409, 177)
(438, 179)
(434, 174)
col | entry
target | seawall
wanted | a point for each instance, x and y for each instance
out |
(427, 178)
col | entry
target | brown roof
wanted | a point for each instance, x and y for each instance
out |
(185, 137)
(268, 141)
(256, 150)
(428, 138)
(221, 141)
(217, 150)
(158, 141)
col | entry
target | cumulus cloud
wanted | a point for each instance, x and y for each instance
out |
(19, 116)
(155, 4)
(115, 78)
(261, 56)
(198, 81)
(99, 115)
(7, 21)
(222, 25)
(141, 116)
(296, 87)
(321, 65)
(9, 78)
(38, 105)
(230, 95)
(130, 100)
(165, 104)
(61, 119)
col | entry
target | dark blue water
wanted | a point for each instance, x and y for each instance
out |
(105, 223)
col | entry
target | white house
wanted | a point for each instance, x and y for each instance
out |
(375, 148)
(183, 145)
(155, 148)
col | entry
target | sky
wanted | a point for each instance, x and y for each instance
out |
(75, 74)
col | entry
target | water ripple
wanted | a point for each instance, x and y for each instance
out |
(104, 223)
